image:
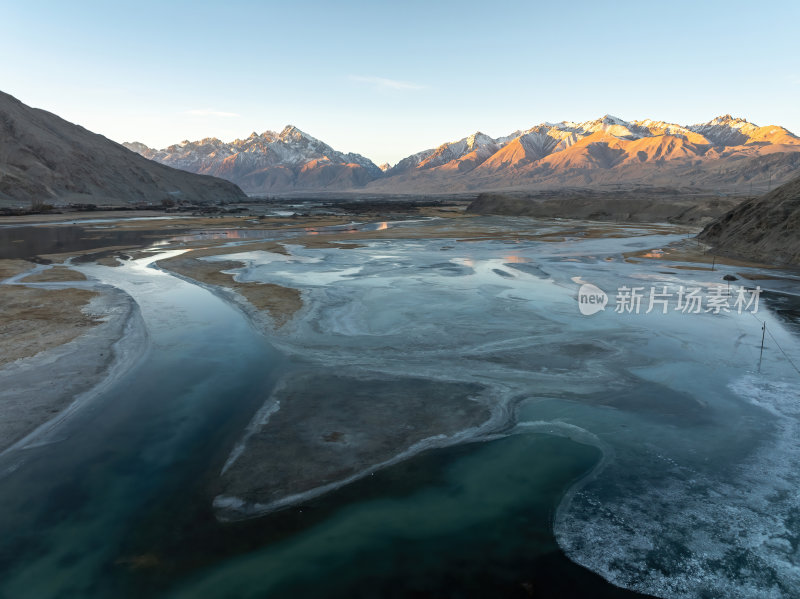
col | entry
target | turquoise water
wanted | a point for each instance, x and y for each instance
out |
(69, 505)
(650, 449)
(466, 521)
(696, 493)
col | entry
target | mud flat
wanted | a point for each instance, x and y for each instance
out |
(35, 319)
(322, 430)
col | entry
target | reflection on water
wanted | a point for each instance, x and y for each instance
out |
(29, 242)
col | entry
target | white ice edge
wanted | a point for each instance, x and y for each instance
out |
(129, 351)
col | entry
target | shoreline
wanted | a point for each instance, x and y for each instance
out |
(232, 507)
(88, 366)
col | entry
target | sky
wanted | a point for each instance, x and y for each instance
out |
(388, 79)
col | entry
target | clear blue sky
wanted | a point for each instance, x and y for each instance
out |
(389, 79)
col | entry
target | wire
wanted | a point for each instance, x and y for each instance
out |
(764, 324)
(783, 352)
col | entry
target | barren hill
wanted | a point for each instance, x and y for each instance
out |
(764, 229)
(44, 158)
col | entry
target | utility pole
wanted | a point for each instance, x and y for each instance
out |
(763, 334)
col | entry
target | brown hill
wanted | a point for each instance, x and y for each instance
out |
(646, 205)
(764, 229)
(44, 158)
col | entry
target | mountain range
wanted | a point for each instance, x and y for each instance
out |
(270, 161)
(44, 158)
(724, 154)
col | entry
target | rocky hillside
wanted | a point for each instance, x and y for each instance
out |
(725, 154)
(641, 205)
(45, 159)
(263, 163)
(764, 229)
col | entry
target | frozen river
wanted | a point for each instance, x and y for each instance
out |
(653, 436)
(697, 492)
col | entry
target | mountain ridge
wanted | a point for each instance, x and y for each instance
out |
(289, 159)
(44, 158)
(723, 152)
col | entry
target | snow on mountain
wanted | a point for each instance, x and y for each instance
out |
(604, 143)
(458, 149)
(560, 153)
(649, 128)
(609, 124)
(410, 162)
(725, 130)
(293, 155)
(731, 131)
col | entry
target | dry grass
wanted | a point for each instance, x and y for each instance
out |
(56, 274)
(9, 268)
(750, 276)
(280, 302)
(71, 216)
(689, 251)
(445, 211)
(33, 320)
(101, 252)
(229, 222)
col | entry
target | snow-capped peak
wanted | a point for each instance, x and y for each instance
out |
(610, 124)
(613, 120)
(730, 121)
(726, 130)
(478, 139)
(291, 148)
(292, 132)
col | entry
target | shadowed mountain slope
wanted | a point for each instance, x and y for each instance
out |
(44, 158)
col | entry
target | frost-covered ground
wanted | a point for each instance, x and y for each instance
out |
(697, 494)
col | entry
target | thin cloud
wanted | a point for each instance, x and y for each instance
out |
(208, 112)
(384, 83)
